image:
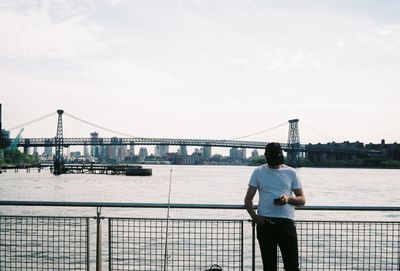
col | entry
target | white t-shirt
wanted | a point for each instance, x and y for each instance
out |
(271, 184)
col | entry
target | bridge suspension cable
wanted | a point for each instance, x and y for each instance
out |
(261, 132)
(319, 133)
(32, 121)
(97, 126)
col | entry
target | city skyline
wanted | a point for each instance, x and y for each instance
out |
(203, 69)
(139, 150)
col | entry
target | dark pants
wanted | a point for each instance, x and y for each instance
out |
(282, 233)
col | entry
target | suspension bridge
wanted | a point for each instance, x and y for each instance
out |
(127, 139)
(293, 147)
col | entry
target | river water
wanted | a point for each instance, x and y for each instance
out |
(199, 185)
(202, 185)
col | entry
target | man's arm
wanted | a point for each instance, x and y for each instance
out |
(248, 203)
(298, 200)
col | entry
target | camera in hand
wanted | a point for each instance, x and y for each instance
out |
(279, 201)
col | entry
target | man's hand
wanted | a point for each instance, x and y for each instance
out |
(299, 199)
(282, 200)
(259, 220)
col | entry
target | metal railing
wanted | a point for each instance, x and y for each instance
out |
(125, 243)
(44, 243)
(193, 244)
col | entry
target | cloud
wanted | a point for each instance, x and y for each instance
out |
(237, 61)
(203, 62)
(47, 30)
(129, 75)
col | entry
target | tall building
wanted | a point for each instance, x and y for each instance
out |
(95, 149)
(182, 150)
(113, 150)
(85, 151)
(48, 150)
(233, 153)
(143, 153)
(241, 154)
(254, 153)
(122, 152)
(206, 151)
(132, 150)
(107, 152)
(161, 150)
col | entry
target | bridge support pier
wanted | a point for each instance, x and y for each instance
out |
(59, 140)
(26, 146)
(293, 152)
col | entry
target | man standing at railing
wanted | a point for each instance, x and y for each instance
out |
(279, 192)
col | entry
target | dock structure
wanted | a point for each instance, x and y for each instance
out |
(27, 167)
(108, 169)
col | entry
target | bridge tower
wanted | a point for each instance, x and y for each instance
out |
(1, 131)
(293, 152)
(59, 143)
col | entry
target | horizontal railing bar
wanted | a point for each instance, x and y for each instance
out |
(185, 206)
(46, 216)
(350, 208)
(178, 219)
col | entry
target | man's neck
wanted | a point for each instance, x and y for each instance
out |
(275, 166)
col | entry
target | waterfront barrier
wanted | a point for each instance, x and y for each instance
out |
(40, 242)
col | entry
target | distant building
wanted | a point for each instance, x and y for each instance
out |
(95, 149)
(161, 150)
(75, 154)
(182, 150)
(86, 151)
(254, 153)
(122, 152)
(196, 157)
(142, 154)
(386, 151)
(319, 153)
(206, 152)
(132, 150)
(241, 154)
(48, 150)
(233, 154)
(113, 150)
(106, 154)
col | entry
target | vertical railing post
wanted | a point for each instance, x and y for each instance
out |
(98, 239)
(109, 245)
(242, 241)
(87, 244)
(253, 246)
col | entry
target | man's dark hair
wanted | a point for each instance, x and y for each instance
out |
(274, 154)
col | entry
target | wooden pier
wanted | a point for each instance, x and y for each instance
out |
(109, 169)
(27, 167)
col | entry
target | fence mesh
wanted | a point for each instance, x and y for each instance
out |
(62, 243)
(43, 243)
(139, 244)
(345, 245)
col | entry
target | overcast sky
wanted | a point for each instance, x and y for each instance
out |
(203, 69)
